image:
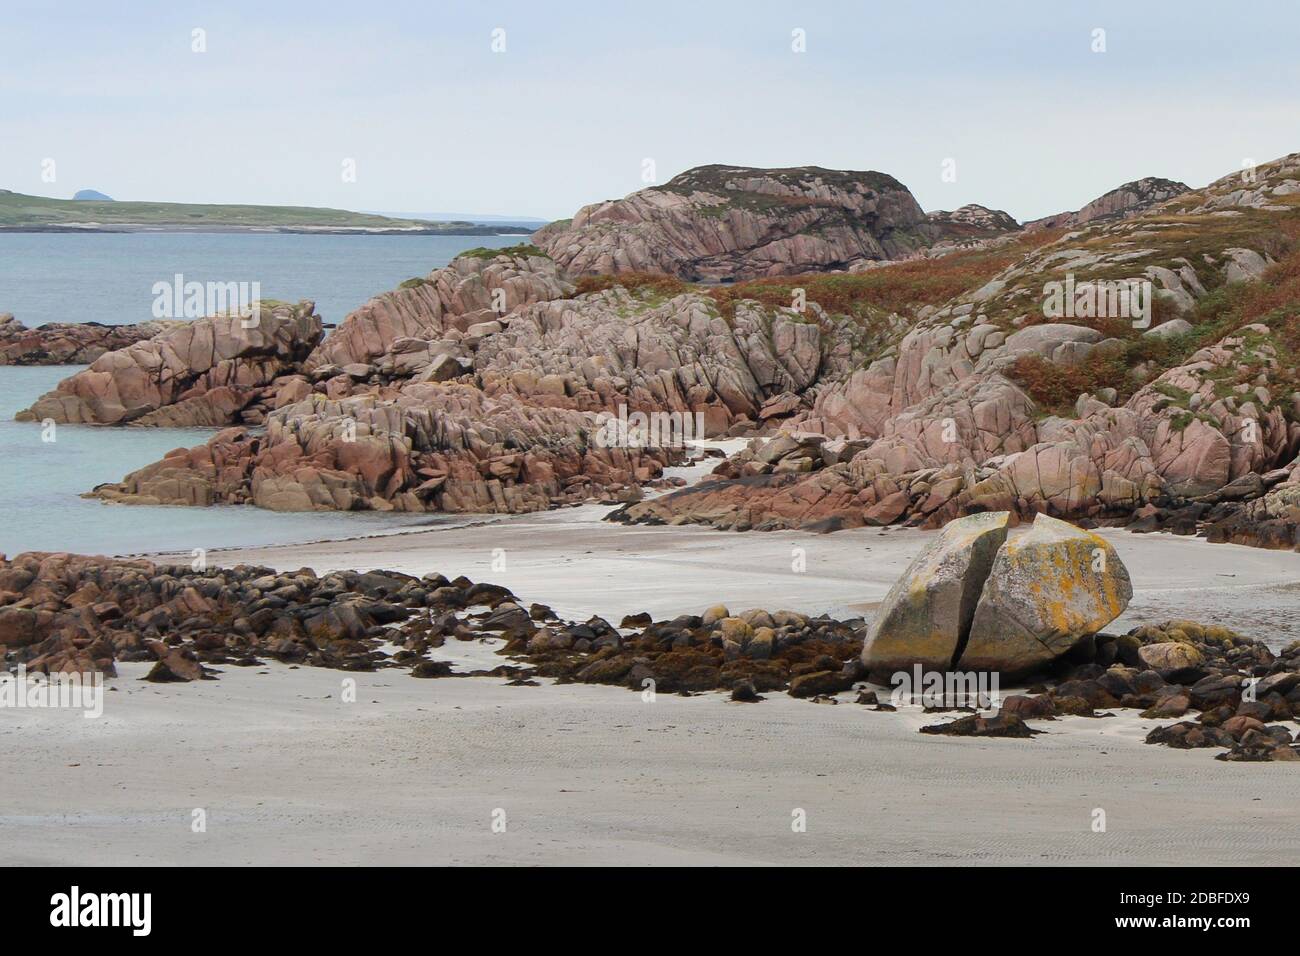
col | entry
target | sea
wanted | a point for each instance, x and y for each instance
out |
(110, 278)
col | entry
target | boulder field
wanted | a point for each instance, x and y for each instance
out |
(64, 613)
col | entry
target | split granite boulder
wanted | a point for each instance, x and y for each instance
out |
(977, 601)
(928, 611)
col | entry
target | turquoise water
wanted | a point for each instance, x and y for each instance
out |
(107, 278)
(41, 483)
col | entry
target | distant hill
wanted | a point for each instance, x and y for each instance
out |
(486, 219)
(22, 213)
(83, 194)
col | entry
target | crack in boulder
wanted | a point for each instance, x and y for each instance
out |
(927, 615)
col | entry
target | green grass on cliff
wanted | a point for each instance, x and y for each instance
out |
(523, 249)
(715, 178)
(19, 211)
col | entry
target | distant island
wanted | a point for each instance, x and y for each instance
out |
(87, 213)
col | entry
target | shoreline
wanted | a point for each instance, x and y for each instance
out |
(666, 570)
(573, 561)
(582, 565)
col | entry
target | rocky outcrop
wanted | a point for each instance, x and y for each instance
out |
(603, 351)
(680, 355)
(438, 311)
(555, 401)
(1266, 188)
(948, 421)
(70, 343)
(424, 448)
(976, 444)
(204, 372)
(1271, 520)
(972, 221)
(980, 401)
(1121, 202)
(733, 222)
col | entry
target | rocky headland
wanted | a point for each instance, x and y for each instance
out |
(210, 371)
(889, 365)
(984, 403)
(430, 399)
(69, 343)
(1120, 203)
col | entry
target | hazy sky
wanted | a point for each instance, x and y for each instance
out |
(585, 92)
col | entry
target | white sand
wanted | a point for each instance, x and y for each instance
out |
(581, 565)
(412, 772)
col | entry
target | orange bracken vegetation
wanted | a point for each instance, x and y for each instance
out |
(900, 287)
(894, 288)
(635, 282)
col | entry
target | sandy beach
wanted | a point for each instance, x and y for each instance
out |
(584, 526)
(581, 565)
(413, 771)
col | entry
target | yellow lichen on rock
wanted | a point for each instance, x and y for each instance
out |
(1044, 594)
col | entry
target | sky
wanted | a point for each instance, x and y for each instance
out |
(578, 96)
